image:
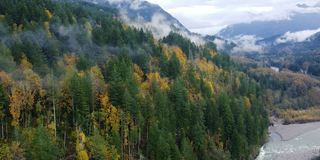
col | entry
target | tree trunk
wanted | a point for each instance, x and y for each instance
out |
(64, 138)
(7, 130)
(54, 106)
(2, 131)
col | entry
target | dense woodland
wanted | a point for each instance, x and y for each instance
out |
(77, 83)
(288, 90)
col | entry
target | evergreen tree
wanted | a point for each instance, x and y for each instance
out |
(43, 146)
(187, 149)
(179, 101)
(228, 122)
(81, 99)
(174, 67)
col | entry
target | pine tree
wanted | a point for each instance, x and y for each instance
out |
(187, 149)
(228, 122)
(43, 147)
(80, 87)
(174, 67)
(4, 112)
(178, 96)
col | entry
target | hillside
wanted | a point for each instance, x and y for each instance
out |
(76, 82)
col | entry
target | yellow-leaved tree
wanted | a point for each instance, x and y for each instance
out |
(112, 114)
(247, 102)
(155, 77)
(16, 104)
(80, 146)
(181, 56)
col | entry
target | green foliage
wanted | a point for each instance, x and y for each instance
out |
(178, 96)
(188, 47)
(133, 96)
(187, 150)
(228, 122)
(43, 146)
(80, 87)
(6, 60)
(5, 151)
(11, 151)
(100, 149)
(174, 67)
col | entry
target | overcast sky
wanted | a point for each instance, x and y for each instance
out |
(209, 16)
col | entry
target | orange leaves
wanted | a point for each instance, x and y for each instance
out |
(69, 60)
(206, 66)
(137, 73)
(5, 80)
(21, 98)
(32, 79)
(168, 51)
(16, 104)
(210, 85)
(80, 147)
(247, 102)
(112, 113)
(114, 119)
(65, 101)
(104, 101)
(52, 127)
(96, 72)
(24, 63)
(155, 77)
(180, 55)
(98, 85)
(23, 92)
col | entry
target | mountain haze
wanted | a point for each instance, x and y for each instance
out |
(266, 29)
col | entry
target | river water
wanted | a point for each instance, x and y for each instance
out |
(292, 142)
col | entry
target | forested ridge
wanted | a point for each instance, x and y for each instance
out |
(77, 83)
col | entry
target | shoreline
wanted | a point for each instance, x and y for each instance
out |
(292, 130)
(288, 132)
(291, 142)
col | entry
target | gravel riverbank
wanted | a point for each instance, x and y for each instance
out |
(292, 142)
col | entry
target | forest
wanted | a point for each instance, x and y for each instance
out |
(78, 83)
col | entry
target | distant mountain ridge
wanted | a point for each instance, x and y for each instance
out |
(146, 11)
(266, 29)
(143, 14)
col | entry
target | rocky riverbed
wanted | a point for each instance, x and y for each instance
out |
(292, 142)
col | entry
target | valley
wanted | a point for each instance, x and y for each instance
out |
(127, 80)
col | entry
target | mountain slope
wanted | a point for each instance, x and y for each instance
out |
(142, 14)
(76, 82)
(265, 29)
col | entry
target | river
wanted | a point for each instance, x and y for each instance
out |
(292, 142)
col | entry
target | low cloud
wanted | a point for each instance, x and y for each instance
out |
(248, 44)
(296, 36)
(134, 4)
(221, 44)
(210, 16)
(159, 25)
